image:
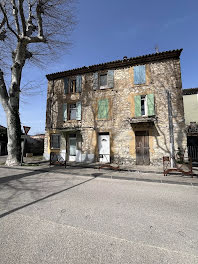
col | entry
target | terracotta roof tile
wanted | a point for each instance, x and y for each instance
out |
(118, 63)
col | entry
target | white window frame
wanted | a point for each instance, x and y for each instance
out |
(70, 111)
(145, 105)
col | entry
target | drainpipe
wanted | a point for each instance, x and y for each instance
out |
(171, 134)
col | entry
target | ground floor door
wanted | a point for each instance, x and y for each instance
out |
(142, 148)
(104, 147)
(72, 148)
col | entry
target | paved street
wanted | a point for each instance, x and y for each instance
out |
(58, 217)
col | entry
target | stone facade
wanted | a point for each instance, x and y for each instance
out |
(162, 74)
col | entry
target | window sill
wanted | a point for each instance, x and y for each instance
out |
(71, 121)
(103, 89)
(54, 148)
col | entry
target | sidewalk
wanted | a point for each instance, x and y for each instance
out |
(135, 173)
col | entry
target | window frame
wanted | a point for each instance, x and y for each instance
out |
(102, 87)
(72, 85)
(51, 141)
(69, 111)
(144, 97)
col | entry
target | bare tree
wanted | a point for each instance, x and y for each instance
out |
(28, 28)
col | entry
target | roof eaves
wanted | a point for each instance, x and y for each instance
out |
(190, 91)
(118, 63)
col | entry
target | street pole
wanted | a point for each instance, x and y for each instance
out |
(26, 130)
(170, 119)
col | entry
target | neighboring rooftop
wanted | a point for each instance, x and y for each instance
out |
(190, 91)
(118, 63)
(2, 128)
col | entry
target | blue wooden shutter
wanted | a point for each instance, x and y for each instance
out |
(150, 104)
(78, 83)
(78, 111)
(65, 112)
(110, 78)
(66, 85)
(139, 74)
(95, 80)
(137, 105)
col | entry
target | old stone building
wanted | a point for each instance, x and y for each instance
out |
(124, 111)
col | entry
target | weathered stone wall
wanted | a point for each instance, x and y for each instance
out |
(160, 76)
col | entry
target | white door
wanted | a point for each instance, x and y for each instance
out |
(72, 149)
(104, 148)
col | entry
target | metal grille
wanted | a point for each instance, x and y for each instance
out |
(193, 152)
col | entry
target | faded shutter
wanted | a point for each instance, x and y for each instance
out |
(65, 112)
(78, 111)
(150, 104)
(103, 109)
(110, 78)
(140, 74)
(78, 83)
(66, 85)
(137, 105)
(95, 80)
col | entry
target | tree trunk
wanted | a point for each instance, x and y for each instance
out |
(14, 138)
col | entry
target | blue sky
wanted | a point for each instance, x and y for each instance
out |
(108, 30)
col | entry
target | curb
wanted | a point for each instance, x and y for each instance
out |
(148, 180)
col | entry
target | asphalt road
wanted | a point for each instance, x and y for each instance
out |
(50, 218)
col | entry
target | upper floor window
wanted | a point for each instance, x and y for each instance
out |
(144, 108)
(139, 74)
(55, 141)
(103, 109)
(72, 111)
(73, 84)
(103, 80)
(144, 105)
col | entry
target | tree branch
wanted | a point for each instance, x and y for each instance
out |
(39, 11)
(2, 23)
(7, 22)
(3, 91)
(23, 22)
(15, 14)
(35, 39)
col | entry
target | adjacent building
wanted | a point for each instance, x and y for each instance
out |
(190, 98)
(3, 140)
(124, 111)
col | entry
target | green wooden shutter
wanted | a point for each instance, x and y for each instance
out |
(78, 111)
(103, 109)
(78, 83)
(150, 104)
(65, 112)
(110, 78)
(66, 85)
(95, 81)
(137, 105)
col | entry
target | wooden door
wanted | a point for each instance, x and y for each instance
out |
(142, 148)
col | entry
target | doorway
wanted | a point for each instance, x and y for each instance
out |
(104, 147)
(142, 148)
(72, 147)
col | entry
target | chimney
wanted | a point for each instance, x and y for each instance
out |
(156, 49)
